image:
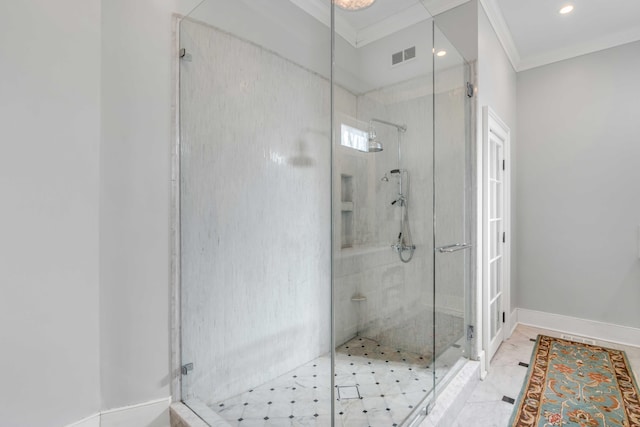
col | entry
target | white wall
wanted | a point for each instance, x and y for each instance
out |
(497, 89)
(578, 195)
(50, 121)
(135, 199)
(85, 244)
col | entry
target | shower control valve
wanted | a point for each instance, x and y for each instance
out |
(400, 199)
(401, 247)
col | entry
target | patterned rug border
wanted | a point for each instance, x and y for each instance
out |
(532, 365)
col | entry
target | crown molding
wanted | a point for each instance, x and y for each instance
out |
(496, 18)
(556, 55)
(519, 63)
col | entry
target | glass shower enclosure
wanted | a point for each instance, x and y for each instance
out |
(325, 212)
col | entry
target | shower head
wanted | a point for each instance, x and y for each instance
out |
(374, 146)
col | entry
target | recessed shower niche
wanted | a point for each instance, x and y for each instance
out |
(346, 210)
(316, 285)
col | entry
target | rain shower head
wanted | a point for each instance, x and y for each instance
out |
(374, 146)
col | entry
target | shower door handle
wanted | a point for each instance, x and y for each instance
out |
(454, 248)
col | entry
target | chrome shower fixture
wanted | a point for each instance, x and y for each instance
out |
(401, 128)
(374, 145)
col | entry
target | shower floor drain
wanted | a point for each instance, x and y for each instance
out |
(348, 392)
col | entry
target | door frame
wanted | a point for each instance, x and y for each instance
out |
(492, 123)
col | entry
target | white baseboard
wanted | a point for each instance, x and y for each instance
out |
(90, 421)
(149, 414)
(587, 328)
(154, 413)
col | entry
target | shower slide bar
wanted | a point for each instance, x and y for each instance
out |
(454, 248)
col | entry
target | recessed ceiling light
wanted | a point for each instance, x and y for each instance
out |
(353, 4)
(441, 53)
(566, 9)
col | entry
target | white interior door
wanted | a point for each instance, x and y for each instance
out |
(496, 223)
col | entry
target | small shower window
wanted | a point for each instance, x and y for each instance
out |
(354, 138)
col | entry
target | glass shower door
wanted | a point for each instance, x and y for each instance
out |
(255, 118)
(452, 208)
(382, 218)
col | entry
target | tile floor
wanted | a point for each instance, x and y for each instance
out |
(486, 407)
(390, 385)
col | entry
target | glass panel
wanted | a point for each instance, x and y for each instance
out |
(383, 281)
(497, 317)
(493, 280)
(498, 276)
(452, 178)
(497, 199)
(492, 241)
(494, 314)
(254, 170)
(497, 161)
(258, 149)
(498, 236)
(493, 173)
(493, 209)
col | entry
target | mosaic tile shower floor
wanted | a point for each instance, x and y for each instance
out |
(390, 382)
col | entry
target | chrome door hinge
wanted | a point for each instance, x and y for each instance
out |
(470, 332)
(184, 54)
(186, 368)
(470, 90)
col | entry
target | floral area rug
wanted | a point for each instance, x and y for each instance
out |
(575, 384)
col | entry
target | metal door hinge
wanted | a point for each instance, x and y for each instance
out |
(504, 317)
(470, 90)
(504, 165)
(185, 55)
(187, 368)
(470, 332)
(504, 237)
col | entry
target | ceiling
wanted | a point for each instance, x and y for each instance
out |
(382, 18)
(533, 33)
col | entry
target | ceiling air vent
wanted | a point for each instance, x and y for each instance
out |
(396, 58)
(403, 56)
(410, 53)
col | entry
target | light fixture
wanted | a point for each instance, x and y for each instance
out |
(353, 4)
(566, 9)
(441, 53)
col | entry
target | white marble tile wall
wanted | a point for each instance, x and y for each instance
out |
(396, 293)
(255, 214)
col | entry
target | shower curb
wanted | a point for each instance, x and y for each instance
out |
(453, 397)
